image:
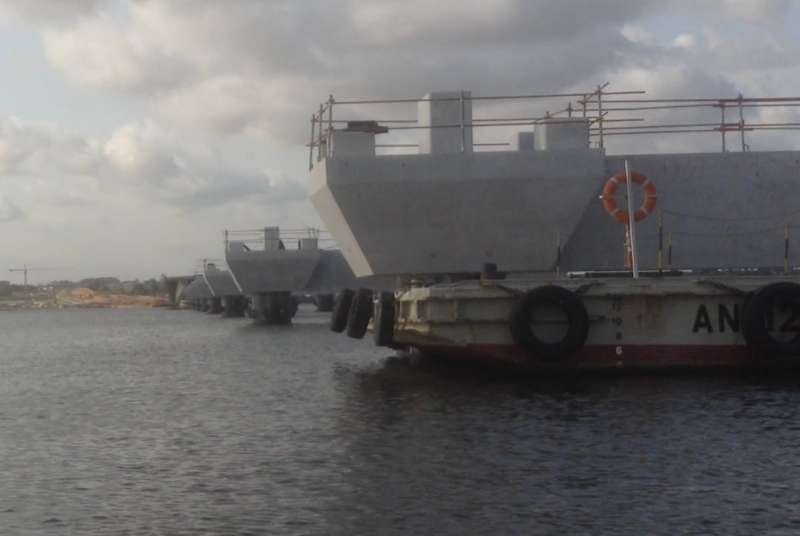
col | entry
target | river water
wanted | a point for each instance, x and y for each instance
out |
(176, 422)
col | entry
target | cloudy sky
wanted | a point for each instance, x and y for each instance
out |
(133, 132)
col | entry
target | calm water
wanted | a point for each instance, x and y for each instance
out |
(174, 422)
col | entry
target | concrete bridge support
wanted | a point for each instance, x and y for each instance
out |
(173, 291)
(233, 306)
(214, 306)
(176, 287)
(273, 308)
(324, 302)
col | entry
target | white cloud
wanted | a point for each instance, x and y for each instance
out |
(637, 34)
(246, 65)
(8, 210)
(146, 196)
(48, 11)
(27, 148)
(397, 21)
(684, 40)
(157, 164)
(101, 53)
(753, 11)
(226, 89)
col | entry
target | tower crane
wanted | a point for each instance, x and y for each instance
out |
(25, 271)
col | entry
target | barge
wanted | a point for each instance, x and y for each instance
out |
(664, 321)
(553, 220)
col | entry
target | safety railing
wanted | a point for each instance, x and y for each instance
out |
(781, 230)
(290, 238)
(608, 114)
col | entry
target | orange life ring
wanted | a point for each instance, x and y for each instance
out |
(610, 204)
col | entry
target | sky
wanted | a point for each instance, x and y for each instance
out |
(133, 132)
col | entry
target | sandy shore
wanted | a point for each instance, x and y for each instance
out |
(80, 298)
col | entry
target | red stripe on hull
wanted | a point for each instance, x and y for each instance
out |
(608, 357)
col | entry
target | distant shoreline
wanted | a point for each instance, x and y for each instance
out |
(81, 298)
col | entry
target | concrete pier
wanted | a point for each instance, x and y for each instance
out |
(175, 288)
(197, 293)
(188, 295)
(324, 302)
(214, 306)
(450, 210)
(232, 302)
(234, 306)
(272, 308)
(287, 263)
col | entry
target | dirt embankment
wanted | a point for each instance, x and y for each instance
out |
(84, 297)
(77, 298)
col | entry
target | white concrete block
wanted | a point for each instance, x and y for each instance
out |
(272, 238)
(309, 243)
(436, 113)
(562, 133)
(346, 143)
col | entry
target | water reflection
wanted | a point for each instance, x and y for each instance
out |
(173, 422)
(448, 451)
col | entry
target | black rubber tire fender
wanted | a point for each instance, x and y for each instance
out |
(383, 320)
(341, 310)
(756, 310)
(360, 313)
(569, 303)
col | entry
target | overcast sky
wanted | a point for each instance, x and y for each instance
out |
(132, 133)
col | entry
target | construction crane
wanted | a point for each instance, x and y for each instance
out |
(25, 271)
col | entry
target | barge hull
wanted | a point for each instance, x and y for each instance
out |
(664, 323)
